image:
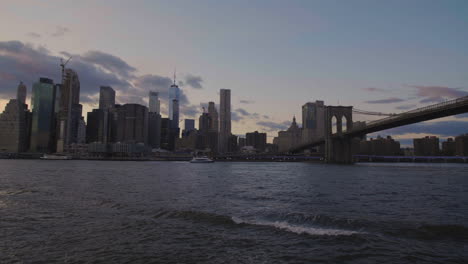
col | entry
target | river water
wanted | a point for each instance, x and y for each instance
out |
(232, 212)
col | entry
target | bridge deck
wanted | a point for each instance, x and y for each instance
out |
(448, 108)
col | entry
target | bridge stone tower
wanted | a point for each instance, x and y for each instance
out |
(338, 147)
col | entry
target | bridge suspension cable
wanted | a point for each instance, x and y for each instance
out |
(364, 112)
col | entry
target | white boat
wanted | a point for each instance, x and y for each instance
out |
(55, 157)
(201, 160)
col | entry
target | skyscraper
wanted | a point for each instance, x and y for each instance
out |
(13, 127)
(70, 110)
(224, 120)
(132, 124)
(154, 121)
(154, 130)
(174, 96)
(214, 119)
(106, 97)
(213, 127)
(189, 126)
(313, 121)
(42, 103)
(97, 130)
(256, 140)
(175, 114)
(154, 104)
(21, 93)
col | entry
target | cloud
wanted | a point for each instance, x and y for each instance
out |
(406, 107)
(110, 63)
(242, 112)
(274, 126)
(374, 89)
(386, 101)
(435, 94)
(246, 101)
(266, 117)
(60, 31)
(236, 117)
(153, 82)
(25, 62)
(33, 35)
(194, 81)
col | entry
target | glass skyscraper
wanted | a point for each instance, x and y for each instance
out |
(106, 97)
(42, 103)
(154, 106)
(174, 96)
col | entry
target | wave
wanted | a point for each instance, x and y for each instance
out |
(314, 231)
(239, 222)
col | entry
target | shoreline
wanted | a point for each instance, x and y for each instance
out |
(374, 159)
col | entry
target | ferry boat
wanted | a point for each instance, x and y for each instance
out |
(55, 157)
(201, 160)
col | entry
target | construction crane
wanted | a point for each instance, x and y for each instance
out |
(364, 112)
(63, 64)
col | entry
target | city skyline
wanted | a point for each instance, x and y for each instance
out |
(418, 70)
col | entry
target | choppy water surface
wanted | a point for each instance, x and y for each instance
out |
(177, 212)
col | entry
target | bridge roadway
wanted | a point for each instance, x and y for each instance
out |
(447, 108)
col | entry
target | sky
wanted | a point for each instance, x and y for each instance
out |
(383, 56)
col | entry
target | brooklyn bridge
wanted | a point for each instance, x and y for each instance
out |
(338, 142)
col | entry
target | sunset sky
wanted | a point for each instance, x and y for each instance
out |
(386, 56)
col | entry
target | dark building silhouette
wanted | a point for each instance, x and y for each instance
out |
(426, 146)
(165, 128)
(232, 144)
(132, 124)
(21, 93)
(97, 129)
(461, 145)
(256, 140)
(154, 130)
(242, 142)
(14, 127)
(380, 147)
(189, 126)
(106, 97)
(448, 147)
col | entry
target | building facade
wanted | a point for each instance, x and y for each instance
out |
(313, 121)
(256, 140)
(448, 147)
(174, 98)
(461, 145)
(42, 126)
(154, 130)
(69, 110)
(380, 147)
(21, 93)
(189, 126)
(426, 146)
(289, 138)
(224, 120)
(154, 103)
(132, 124)
(106, 97)
(14, 127)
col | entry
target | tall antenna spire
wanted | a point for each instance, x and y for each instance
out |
(174, 75)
